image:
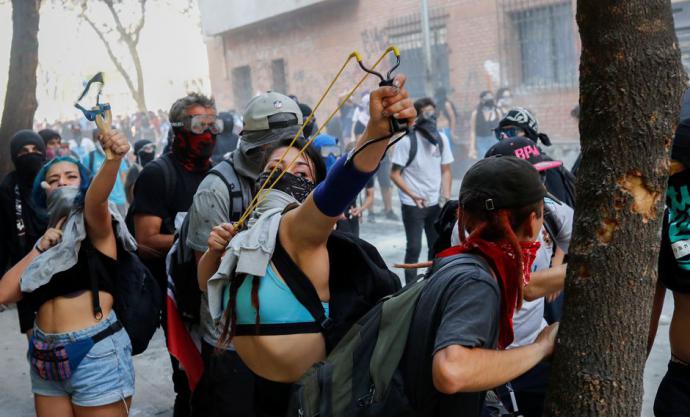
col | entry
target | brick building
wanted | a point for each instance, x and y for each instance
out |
(297, 46)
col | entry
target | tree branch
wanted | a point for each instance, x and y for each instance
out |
(118, 64)
(140, 25)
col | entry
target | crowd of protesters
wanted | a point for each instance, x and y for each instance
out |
(248, 226)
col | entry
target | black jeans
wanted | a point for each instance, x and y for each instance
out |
(226, 388)
(673, 396)
(415, 220)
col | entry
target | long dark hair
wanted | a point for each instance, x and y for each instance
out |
(230, 315)
(495, 226)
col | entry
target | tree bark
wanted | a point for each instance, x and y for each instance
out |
(20, 97)
(631, 81)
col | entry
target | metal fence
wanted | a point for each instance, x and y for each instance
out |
(538, 44)
(406, 33)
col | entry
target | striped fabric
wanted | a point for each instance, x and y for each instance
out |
(50, 362)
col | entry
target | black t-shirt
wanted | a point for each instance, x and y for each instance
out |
(151, 198)
(467, 307)
(76, 279)
(150, 194)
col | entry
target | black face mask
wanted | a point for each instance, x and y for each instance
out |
(298, 187)
(145, 157)
(488, 103)
(29, 164)
(427, 127)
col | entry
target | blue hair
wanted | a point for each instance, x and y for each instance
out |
(38, 194)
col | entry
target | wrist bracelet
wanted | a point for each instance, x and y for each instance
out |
(38, 248)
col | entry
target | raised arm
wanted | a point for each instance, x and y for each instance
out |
(309, 226)
(96, 213)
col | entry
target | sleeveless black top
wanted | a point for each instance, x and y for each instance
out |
(76, 279)
(484, 127)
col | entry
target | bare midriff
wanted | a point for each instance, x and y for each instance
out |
(72, 313)
(283, 358)
(680, 327)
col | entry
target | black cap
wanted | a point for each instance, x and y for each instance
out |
(523, 148)
(681, 143)
(500, 182)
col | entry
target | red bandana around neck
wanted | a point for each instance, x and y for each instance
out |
(193, 151)
(502, 256)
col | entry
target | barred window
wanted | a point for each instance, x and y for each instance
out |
(406, 34)
(242, 85)
(541, 45)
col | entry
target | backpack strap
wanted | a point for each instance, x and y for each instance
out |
(304, 292)
(96, 270)
(240, 194)
(300, 286)
(413, 149)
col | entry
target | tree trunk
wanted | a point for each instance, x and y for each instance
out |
(631, 80)
(138, 94)
(20, 97)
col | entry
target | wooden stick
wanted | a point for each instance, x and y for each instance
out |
(104, 124)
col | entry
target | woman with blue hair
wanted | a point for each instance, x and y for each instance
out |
(80, 355)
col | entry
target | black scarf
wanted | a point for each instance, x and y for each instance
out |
(427, 127)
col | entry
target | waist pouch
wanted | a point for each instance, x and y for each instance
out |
(57, 362)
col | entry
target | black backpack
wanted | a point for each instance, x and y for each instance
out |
(362, 375)
(137, 296)
(181, 263)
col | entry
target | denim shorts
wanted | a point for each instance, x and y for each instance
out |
(104, 376)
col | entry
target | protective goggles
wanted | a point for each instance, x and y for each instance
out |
(505, 133)
(200, 123)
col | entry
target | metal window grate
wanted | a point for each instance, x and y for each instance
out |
(539, 44)
(405, 32)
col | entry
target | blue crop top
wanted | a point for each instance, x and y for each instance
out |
(277, 306)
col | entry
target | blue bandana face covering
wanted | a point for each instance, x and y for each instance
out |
(678, 203)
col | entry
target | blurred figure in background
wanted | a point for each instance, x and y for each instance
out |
(226, 141)
(144, 152)
(22, 223)
(482, 123)
(504, 100)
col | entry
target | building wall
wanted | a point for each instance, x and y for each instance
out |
(314, 42)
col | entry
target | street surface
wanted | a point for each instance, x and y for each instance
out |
(154, 393)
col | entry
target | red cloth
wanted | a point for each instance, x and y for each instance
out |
(505, 261)
(181, 345)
